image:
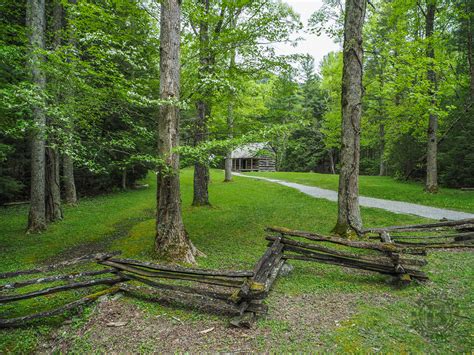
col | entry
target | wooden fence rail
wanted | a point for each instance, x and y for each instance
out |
(393, 259)
(441, 235)
(400, 256)
(122, 271)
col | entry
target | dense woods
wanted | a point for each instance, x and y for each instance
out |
(80, 88)
(180, 134)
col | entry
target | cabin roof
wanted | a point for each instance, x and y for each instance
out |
(250, 150)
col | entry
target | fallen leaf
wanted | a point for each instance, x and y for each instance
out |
(205, 331)
(116, 324)
(176, 318)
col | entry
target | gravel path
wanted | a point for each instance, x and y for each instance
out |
(392, 206)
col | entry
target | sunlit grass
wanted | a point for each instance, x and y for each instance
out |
(386, 188)
(231, 234)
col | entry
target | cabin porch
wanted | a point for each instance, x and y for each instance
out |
(245, 164)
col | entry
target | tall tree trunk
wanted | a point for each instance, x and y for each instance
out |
(230, 116)
(349, 220)
(228, 167)
(53, 189)
(331, 161)
(382, 168)
(172, 242)
(470, 49)
(124, 179)
(201, 169)
(382, 114)
(70, 195)
(36, 24)
(432, 146)
(281, 159)
(230, 135)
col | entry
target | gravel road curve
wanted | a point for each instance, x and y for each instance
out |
(388, 205)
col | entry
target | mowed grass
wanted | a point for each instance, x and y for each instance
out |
(385, 187)
(435, 317)
(89, 222)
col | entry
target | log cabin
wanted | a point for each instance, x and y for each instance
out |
(253, 157)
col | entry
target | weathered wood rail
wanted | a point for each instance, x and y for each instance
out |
(400, 256)
(117, 274)
(399, 261)
(441, 235)
(70, 285)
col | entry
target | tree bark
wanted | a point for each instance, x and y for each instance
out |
(380, 101)
(124, 179)
(432, 146)
(70, 195)
(470, 50)
(349, 219)
(382, 167)
(36, 24)
(331, 161)
(228, 167)
(230, 119)
(53, 189)
(201, 169)
(172, 242)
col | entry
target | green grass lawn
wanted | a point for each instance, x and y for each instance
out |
(387, 188)
(360, 311)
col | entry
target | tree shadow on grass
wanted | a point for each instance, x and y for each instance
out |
(121, 230)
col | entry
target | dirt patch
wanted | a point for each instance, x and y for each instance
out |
(121, 230)
(148, 333)
(308, 315)
(118, 326)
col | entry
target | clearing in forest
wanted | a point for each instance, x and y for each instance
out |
(318, 307)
